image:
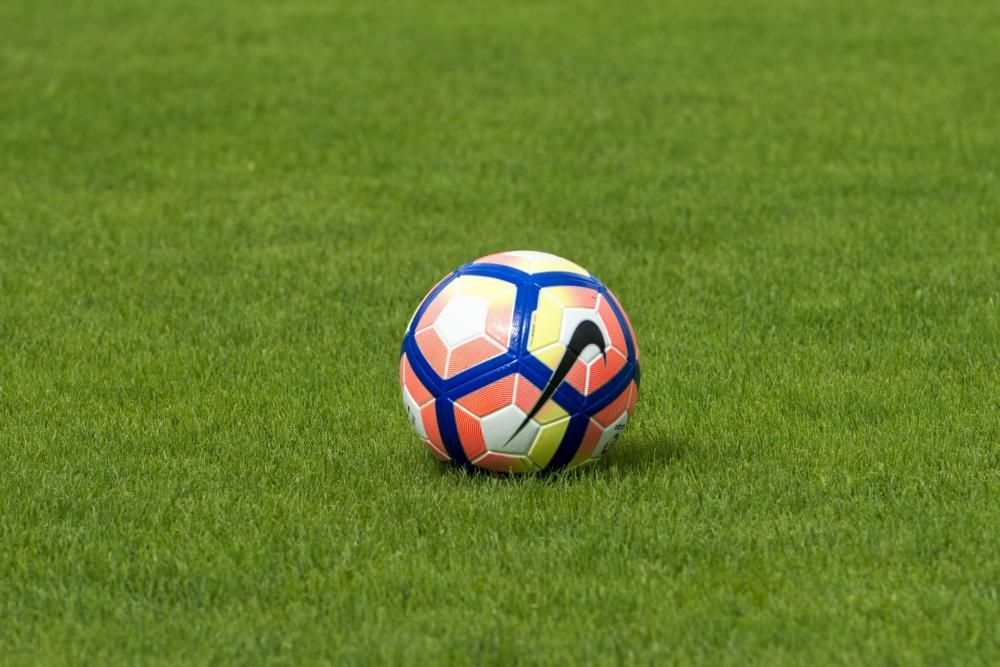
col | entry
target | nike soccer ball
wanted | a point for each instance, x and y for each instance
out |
(517, 362)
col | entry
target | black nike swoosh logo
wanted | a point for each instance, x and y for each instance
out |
(587, 333)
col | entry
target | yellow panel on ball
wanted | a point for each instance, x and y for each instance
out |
(546, 324)
(483, 286)
(547, 442)
(551, 355)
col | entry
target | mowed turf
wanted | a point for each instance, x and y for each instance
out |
(216, 219)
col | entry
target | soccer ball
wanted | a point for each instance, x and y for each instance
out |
(519, 361)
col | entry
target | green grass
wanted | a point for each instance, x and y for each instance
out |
(217, 217)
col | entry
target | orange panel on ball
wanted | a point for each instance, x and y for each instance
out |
(433, 349)
(527, 395)
(490, 398)
(591, 438)
(470, 433)
(615, 332)
(633, 395)
(628, 323)
(615, 409)
(601, 372)
(472, 353)
(429, 416)
(417, 389)
(577, 376)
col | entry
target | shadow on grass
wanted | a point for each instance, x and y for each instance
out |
(644, 452)
(639, 453)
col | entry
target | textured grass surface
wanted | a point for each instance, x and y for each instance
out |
(215, 219)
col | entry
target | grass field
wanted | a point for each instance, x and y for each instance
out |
(216, 219)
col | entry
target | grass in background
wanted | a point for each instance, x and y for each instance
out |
(216, 219)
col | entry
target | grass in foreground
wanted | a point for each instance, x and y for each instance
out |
(216, 219)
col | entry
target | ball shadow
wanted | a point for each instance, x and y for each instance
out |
(638, 453)
(648, 451)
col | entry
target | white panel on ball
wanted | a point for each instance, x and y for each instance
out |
(413, 411)
(462, 319)
(498, 427)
